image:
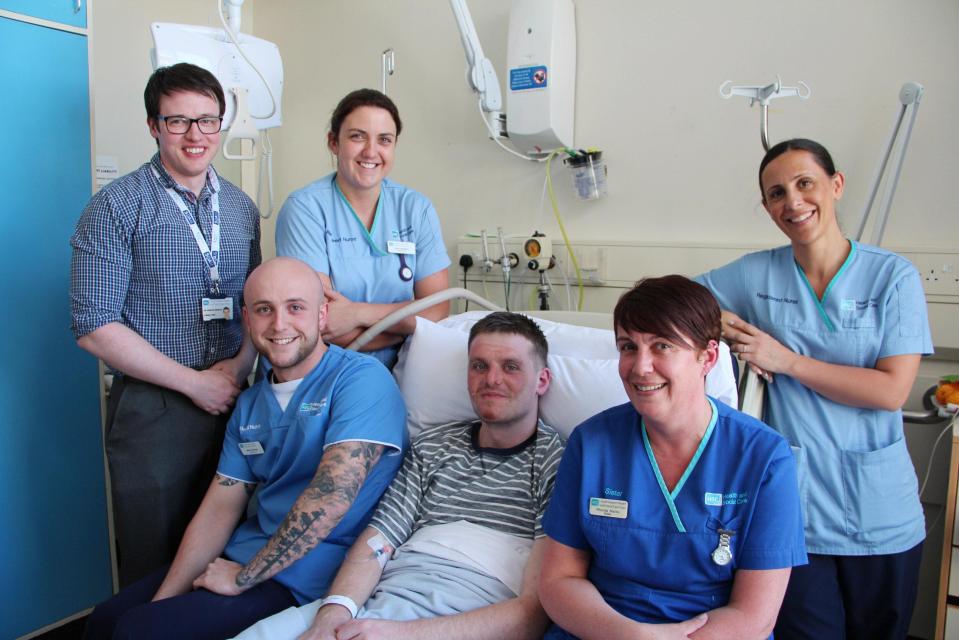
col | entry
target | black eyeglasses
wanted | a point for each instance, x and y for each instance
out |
(181, 124)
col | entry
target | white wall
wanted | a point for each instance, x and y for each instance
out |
(120, 65)
(682, 161)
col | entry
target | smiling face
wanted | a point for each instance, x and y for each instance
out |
(364, 149)
(801, 197)
(505, 380)
(664, 379)
(186, 156)
(285, 313)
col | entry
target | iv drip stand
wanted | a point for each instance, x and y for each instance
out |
(762, 95)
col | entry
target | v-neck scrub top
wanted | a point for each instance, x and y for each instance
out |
(346, 397)
(652, 554)
(317, 225)
(857, 483)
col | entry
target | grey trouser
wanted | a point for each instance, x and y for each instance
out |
(162, 451)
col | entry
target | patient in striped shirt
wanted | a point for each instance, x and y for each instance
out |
(455, 545)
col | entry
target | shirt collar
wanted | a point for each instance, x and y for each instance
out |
(474, 440)
(211, 186)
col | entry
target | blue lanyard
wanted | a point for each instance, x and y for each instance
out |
(210, 252)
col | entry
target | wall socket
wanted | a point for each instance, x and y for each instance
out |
(939, 272)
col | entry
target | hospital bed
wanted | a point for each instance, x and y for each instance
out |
(431, 371)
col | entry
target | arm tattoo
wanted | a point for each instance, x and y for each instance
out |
(223, 481)
(325, 500)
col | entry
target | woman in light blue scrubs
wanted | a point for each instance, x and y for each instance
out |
(376, 244)
(672, 514)
(840, 327)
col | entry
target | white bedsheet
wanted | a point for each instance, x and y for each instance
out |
(497, 554)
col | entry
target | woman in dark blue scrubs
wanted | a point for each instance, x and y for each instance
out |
(672, 513)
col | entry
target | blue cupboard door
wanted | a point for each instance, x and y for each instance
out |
(71, 12)
(53, 514)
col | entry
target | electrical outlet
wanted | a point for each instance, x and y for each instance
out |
(939, 272)
(592, 263)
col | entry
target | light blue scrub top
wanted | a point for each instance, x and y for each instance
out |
(346, 397)
(317, 225)
(655, 565)
(857, 482)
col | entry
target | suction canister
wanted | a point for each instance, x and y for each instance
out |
(588, 173)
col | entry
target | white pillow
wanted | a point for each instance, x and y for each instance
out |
(564, 339)
(431, 373)
(580, 389)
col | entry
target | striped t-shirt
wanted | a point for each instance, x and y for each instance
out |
(447, 477)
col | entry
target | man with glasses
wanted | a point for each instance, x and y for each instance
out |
(159, 261)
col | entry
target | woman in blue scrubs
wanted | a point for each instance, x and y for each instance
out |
(672, 515)
(840, 327)
(376, 244)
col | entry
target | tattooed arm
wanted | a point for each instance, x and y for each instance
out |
(207, 535)
(339, 477)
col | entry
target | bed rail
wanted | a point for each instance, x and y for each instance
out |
(751, 393)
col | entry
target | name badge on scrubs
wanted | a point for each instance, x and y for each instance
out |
(608, 508)
(401, 246)
(251, 448)
(217, 308)
(723, 554)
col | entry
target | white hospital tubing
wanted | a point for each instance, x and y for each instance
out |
(415, 307)
(944, 431)
(232, 37)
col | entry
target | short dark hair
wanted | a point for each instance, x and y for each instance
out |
(515, 323)
(672, 307)
(363, 98)
(181, 77)
(819, 154)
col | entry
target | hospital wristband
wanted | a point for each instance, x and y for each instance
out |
(343, 601)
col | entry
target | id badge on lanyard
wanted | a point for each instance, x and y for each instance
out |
(215, 306)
